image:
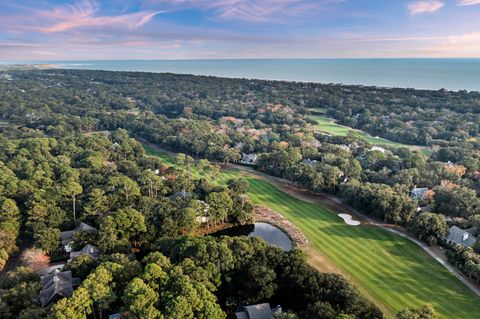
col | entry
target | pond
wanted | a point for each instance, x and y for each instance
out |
(271, 234)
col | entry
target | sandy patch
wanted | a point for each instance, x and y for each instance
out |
(348, 219)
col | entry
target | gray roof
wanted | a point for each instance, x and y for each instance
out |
(181, 194)
(260, 311)
(418, 192)
(461, 237)
(67, 236)
(310, 162)
(87, 250)
(241, 315)
(249, 158)
(55, 285)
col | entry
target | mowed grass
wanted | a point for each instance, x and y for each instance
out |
(389, 269)
(165, 157)
(326, 125)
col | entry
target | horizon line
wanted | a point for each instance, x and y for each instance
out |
(238, 59)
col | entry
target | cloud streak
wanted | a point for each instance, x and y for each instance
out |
(251, 10)
(421, 7)
(467, 2)
(84, 14)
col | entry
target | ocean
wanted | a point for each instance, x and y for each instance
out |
(451, 74)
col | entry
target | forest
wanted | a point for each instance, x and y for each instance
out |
(68, 155)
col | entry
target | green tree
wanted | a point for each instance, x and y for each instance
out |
(47, 239)
(424, 312)
(459, 202)
(220, 204)
(100, 288)
(78, 306)
(125, 186)
(429, 227)
(129, 222)
(238, 186)
(70, 186)
(141, 300)
(97, 205)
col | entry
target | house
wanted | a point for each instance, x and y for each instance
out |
(427, 209)
(90, 250)
(260, 311)
(180, 194)
(323, 133)
(203, 219)
(418, 193)
(249, 159)
(310, 162)
(6, 77)
(378, 148)
(48, 270)
(67, 236)
(460, 237)
(56, 285)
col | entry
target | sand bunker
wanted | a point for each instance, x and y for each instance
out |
(348, 219)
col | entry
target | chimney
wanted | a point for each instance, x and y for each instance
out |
(465, 236)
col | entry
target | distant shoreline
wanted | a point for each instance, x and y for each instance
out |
(415, 73)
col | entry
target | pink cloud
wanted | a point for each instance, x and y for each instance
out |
(419, 7)
(84, 14)
(467, 2)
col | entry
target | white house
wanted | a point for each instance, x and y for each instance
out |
(378, 148)
(249, 159)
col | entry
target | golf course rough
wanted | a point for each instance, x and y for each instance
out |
(388, 268)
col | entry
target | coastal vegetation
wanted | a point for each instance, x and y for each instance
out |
(67, 155)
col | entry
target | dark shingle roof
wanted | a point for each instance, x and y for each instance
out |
(181, 194)
(260, 311)
(87, 250)
(461, 237)
(56, 284)
(67, 236)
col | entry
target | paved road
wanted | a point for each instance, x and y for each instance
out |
(336, 203)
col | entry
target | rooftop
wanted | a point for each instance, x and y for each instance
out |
(180, 194)
(460, 237)
(260, 311)
(56, 284)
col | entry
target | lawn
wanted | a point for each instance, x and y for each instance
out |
(326, 125)
(389, 269)
(164, 156)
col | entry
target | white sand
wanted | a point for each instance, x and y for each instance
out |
(348, 219)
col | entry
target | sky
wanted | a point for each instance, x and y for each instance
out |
(243, 29)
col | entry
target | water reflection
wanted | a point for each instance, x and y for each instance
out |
(271, 234)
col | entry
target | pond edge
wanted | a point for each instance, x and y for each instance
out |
(267, 215)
